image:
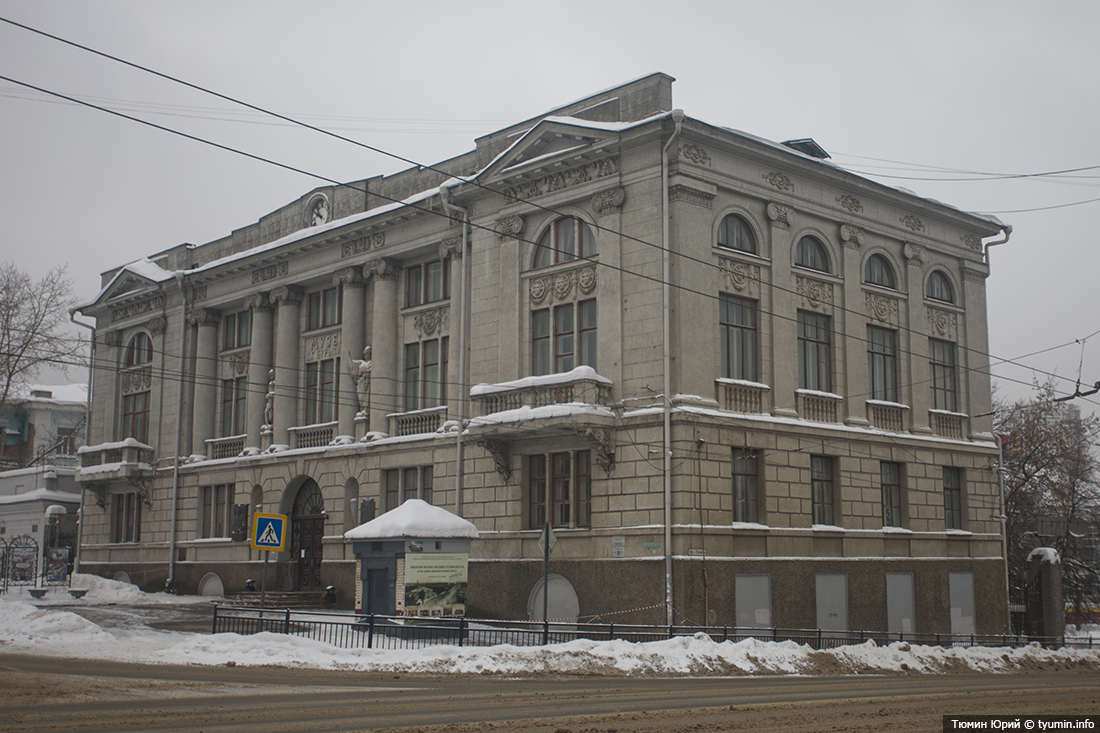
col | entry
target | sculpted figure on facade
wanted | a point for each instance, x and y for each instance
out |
(269, 404)
(360, 372)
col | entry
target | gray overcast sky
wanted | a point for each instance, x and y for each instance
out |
(900, 89)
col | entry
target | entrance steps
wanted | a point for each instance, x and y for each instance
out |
(314, 599)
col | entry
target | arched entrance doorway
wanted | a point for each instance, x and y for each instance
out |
(308, 529)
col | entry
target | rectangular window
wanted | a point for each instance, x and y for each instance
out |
(882, 363)
(67, 441)
(323, 308)
(821, 478)
(135, 416)
(127, 517)
(952, 498)
(234, 394)
(744, 485)
(401, 484)
(217, 503)
(321, 405)
(563, 338)
(752, 598)
(238, 330)
(942, 354)
(737, 332)
(536, 491)
(427, 283)
(567, 490)
(814, 355)
(426, 374)
(890, 475)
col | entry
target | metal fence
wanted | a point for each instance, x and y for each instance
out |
(373, 631)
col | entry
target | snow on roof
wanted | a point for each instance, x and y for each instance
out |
(414, 518)
(1046, 554)
(76, 393)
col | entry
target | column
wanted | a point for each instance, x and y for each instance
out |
(920, 373)
(288, 301)
(259, 365)
(780, 363)
(386, 388)
(852, 330)
(205, 406)
(352, 337)
(973, 353)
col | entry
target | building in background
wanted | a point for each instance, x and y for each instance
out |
(743, 385)
(45, 424)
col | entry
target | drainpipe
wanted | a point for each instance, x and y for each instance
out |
(1007, 229)
(87, 433)
(445, 198)
(678, 118)
(179, 416)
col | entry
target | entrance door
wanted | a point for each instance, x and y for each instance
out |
(308, 528)
(378, 599)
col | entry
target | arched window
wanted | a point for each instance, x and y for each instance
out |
(879, 271)
(811, 254)
(734, 233)
(939, 288)
(140, 350)
(565, 240)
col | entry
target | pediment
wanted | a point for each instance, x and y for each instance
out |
(130, 283)
(548, 146)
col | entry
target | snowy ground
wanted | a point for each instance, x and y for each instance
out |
(51, 627)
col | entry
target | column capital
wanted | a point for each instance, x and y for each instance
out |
(451, 247)
(349, 277)
(382, 268)
(204, 317)
(258, 302)
(286, 295)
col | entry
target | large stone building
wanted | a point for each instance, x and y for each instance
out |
(744, 385)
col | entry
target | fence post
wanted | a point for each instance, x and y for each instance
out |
(461, 629)
(545, 631)
(611, 631)
(214, 628)
(286, 624)
(370, 632)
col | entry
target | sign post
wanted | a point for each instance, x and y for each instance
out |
(546, 543)
(268, 534)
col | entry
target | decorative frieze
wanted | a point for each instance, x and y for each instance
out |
(780, 215)
(881, 308)
(609, 201)
(561, 286)
(322, 347)
(509, 227)
(779, 180)
(815, 293)
(559, 181)
(944, 324)
(238, 362)
(851, 235)
(913, 223)
(271, 272)
(138, 309)
(690, 195)
(137, 380)
(428, 322)
(740, 276)
(374, 240)
(972, 242)
(695, 154)
(851, 203)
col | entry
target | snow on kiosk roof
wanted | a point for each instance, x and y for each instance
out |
(414, 518)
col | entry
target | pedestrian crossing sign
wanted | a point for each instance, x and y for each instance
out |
(269, 532)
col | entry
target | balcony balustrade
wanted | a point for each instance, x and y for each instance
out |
(741, 396)
(128, 459)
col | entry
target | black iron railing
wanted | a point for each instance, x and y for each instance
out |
(374, 631)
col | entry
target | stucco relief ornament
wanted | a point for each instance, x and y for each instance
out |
(112, 338)
(501, 452)
(509, 227)
(943, 323)
(851, 203)
(609, 201)
(818, 294)
(739, 275)
(695, 154)
(779, 180)
(586, 280)
(881, 308)
(851, 235)
(779, 215)
(428, 322)
(563, 285)
(972, 242)
(238, 362)
(539, 289)
(913, 223)
(914, 253)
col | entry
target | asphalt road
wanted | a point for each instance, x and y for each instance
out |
(53, 694)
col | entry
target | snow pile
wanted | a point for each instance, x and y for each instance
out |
(54, 630)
